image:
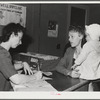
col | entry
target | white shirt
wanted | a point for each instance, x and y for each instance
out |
(89, 61)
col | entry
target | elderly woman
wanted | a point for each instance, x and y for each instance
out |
(88, 62)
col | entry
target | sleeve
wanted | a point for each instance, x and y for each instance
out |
(6, 67)
(62, 63)
(84, 53)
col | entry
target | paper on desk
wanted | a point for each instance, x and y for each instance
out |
(17, 86)
(40, 85)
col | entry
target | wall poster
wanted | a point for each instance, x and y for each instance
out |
(52, 29)
(12, 13)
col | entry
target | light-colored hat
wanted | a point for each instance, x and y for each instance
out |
(93, 30)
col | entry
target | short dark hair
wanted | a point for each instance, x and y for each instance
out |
(80, 30)
(9, 29)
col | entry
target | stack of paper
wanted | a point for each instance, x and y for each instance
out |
(40, 85)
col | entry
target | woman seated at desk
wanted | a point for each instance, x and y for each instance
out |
(76, 39)
(11, 38)
(76, 35)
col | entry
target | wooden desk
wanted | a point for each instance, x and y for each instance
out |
(65, 83)
(45, 65)
(61, 82)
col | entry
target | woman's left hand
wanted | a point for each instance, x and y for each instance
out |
(38, 75)
(27, 68)
(74, 74)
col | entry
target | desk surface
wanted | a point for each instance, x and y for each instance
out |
(60, 83)
(66, 83)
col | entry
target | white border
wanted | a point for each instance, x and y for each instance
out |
(52, 2)
(50, 95)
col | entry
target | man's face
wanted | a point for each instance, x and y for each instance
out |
(75, 38)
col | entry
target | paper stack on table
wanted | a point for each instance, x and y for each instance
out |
(40, 85)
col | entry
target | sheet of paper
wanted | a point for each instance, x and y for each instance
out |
(47, 73)
(49, 88)
(40, 85)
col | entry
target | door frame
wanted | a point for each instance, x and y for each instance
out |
(77, 6)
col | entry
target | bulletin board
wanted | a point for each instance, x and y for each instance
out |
(12, 13)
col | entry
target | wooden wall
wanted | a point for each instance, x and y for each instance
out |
(51, 45)
(94, 14)
(38, 16)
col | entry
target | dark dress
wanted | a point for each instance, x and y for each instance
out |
(6, 69)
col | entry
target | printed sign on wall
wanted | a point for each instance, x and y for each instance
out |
(52, 29)
(12, 13)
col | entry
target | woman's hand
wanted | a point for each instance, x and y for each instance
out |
(38, 75)
(74, 73)
(27, 68)
(74, 66)
(18, 65)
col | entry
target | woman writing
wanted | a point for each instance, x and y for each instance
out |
(11, 38)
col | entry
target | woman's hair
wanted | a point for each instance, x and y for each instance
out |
(80, 30)
(9, 29)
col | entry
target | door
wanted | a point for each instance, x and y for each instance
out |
(78, 15)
